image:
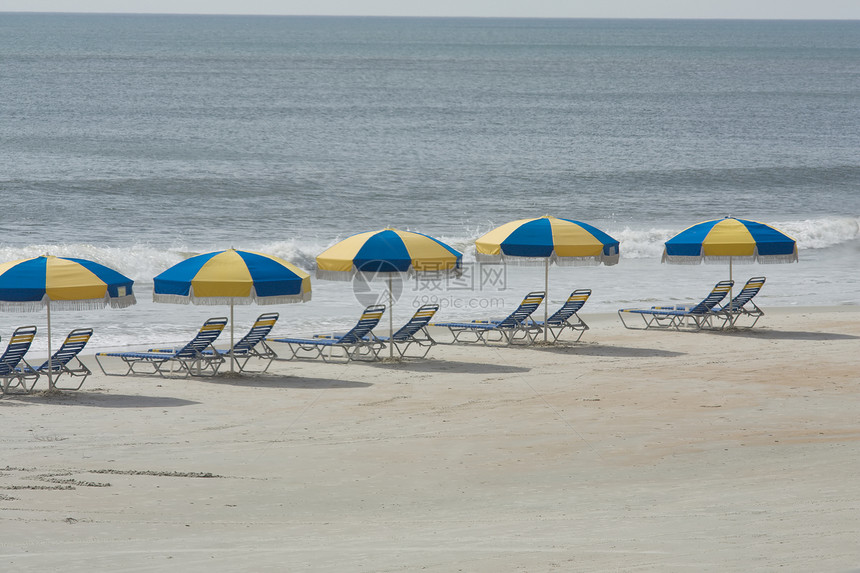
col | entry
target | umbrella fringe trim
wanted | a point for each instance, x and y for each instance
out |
(344, 276)
(679, 260)
(122, 301)
(590, 261)
(713, 260)
(347, 276)
(171, 298)
(775, 259)
(284, 299)
(719, 260)
(22, 306)
(586, 261)
(227, 300)
(82, 304)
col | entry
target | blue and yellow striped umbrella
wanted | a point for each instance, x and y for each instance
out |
(64, 283)
(730, 239)
(386, 253)
(545, 240)
(232, 277)
(61, 283)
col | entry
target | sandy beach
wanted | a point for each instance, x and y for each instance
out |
(630, 451)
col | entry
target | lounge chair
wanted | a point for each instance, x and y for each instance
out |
(566, 316)
(189, 360)
(357, 344)
(11, 376)
(251, 346)
(513, 328)
(698, 316)
(414, 332)
(65, 360)
(742, 305)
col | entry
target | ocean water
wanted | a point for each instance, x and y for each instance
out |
(137, 140)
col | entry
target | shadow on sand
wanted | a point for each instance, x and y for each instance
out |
(767, 334)
(279, 381)
(608, 351)
(448, 366)
(96, 399)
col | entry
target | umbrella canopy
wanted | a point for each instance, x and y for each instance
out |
(387, 252)
(546, 240)
(232, 277)
(730, 239)
(67, 284)
(384, 254)
(61, 283)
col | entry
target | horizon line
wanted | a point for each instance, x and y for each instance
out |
(261, 14)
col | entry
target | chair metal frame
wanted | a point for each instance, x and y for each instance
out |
(567, 316)
(12, 357)
(514, 328)
(699, 316)
(359, 343)
(742, 305)
(197, 358)
(66, 360)
(414, 333)
(253, 345)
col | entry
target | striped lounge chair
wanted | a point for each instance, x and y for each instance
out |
(13, 378)
(358, 343)
(567, 316)
(515, 327)
(197, 358)
(65, 361)
(697, 316)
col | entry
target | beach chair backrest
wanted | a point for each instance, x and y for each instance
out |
(71, 347)
(721, 289)
(747, 293)
(18, 346)
(210, 331)
(369, 319)
(418, 321)
(261, 329)
(530, 304)
(574, 302)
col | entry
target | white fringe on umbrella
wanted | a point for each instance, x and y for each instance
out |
(347, 276)
(253, 298)
(710, 259)
(591, 261)
(82, 304)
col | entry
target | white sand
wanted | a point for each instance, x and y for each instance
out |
(632, 451)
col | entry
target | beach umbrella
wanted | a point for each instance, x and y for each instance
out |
(385, 254)
(61, 283)
(232, 277)
(730, 240)
(546, 240)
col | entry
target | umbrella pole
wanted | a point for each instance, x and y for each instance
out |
(50, 354)
(545, 296)
(231, 337)
(390, 319)
(731, 288)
